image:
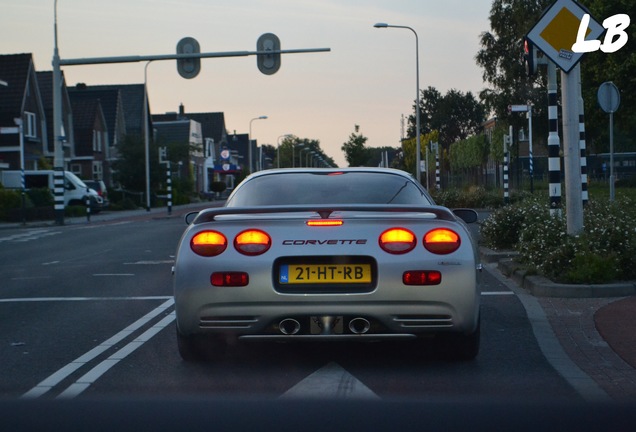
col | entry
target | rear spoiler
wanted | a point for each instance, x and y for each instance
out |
(441, 213)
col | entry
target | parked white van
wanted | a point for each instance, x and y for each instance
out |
(75, 190)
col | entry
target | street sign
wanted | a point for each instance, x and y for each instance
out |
(9, 130)
(557, 30)
(517, 108)
(609, 98)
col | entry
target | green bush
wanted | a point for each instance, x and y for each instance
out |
(9, 199)
(605, 251)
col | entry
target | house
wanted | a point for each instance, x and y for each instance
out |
(112, 107)
(184, 143)
(221, 159)
(45, 83)
(91, 147)
(20, 100)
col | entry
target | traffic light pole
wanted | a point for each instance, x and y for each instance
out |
(136, 59)
(57, 97)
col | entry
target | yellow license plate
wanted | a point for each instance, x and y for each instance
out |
(325, 273)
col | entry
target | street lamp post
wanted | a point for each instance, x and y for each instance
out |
(249, 143)
(417, 94)
(278, 149)
(293, 156)
(58, 158)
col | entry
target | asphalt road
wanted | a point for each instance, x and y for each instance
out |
(86, 310)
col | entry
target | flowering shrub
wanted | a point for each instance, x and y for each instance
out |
(603, 252)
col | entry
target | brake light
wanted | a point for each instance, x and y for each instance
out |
(442, 241)
(324, 222)
(252, 242)
(229, 279)
(422, 277)
(208, 243)
(397, 241)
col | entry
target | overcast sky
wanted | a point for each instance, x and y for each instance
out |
(368, 78)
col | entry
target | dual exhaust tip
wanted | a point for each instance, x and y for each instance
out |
(290, 326)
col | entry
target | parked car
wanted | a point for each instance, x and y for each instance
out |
(327, 254)
(100, 187)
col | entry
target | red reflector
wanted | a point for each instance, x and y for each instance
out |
(422, 277)
(442, 241)
(229, 279)
(324, 222)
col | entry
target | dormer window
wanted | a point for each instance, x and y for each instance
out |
(30, 129)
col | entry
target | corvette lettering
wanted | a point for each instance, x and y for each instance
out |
(323, 242)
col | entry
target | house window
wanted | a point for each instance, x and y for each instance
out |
(30, 130)
(97, 141)
(97, 171)
(76, 169)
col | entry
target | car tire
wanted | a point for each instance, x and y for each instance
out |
(199, 348)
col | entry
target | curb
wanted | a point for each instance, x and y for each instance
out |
(540, 286)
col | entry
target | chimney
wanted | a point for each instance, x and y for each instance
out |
(181, 110)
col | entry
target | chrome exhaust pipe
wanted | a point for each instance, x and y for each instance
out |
(359, 325)
(289, 326)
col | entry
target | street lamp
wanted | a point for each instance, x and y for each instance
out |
(249, 142)
(278, 148)
(417, 97)
(293, 156)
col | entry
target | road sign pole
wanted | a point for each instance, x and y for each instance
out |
(572, 156)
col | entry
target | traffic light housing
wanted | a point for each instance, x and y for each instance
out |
(530, 57)
(268, 64)
(188, 67)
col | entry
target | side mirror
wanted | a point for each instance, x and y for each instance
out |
(189, 218)
(467, 215)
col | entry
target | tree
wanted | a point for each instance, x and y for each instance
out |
(130, 169)
(618, 67)
(355, 151)
(503, 69)
(455, 115)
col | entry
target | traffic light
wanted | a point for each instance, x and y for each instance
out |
(188, 67)
(268, 63)
(530, 57)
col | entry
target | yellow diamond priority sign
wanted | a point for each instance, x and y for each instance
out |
(556, 32)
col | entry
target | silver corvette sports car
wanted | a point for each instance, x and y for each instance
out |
(327, 254)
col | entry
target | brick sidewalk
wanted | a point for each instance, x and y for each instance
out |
(574, 324)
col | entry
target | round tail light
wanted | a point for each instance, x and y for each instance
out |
(397, 241)
(252, 242)
(208, 243)
(442, 241)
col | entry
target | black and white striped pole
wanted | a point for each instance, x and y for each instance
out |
(554, 143)
(438, 180)
(582, 145)
(506, 161)
(169, 183)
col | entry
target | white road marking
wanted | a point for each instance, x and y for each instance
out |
(48, 383)
(497, 293)
(73, 299)
(93, 375)
(331, 381)
(112, 274)
(150, 262)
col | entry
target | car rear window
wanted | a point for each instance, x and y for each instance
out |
(328, 188)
